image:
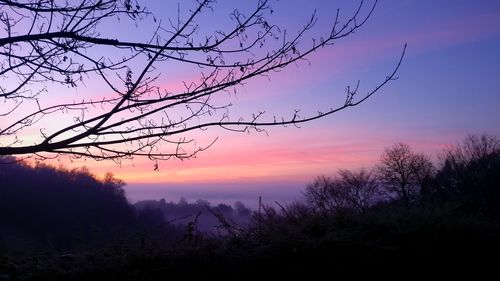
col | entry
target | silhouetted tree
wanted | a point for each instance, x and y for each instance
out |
(241, 209)
(183, 201)
(352, 190)
(202, 203)
(361, 188)
(402, 172)
(115, 184)
(470, 171)
(224, 209)
(320, 194)
(47, 47)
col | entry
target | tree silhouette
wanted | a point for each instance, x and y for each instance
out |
(403, 172)
(469, 172)
(47, 47)
(352, 190)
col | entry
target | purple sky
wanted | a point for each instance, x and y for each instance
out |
(448, 87)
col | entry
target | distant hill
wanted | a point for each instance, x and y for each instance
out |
(54, 208)
(48, 208)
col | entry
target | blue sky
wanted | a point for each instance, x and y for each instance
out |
(448, 87)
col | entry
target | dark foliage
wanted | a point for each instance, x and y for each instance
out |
(47, 208)
(452, 228)
(470, 174)
(352, 191)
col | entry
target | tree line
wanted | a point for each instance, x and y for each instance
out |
(57, 209)
(405, 213)
(48, 208)
(467, 171)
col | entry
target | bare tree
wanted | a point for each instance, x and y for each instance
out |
(321, 195)
(470, 170)
(402, 172)
(50, 46)
(473, 148)
(352, 190)
(361, 188)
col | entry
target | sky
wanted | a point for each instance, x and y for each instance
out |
(448, 86)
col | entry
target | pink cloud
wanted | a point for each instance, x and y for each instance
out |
(299, 156)
(275, 158)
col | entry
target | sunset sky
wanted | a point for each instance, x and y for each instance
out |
(448, 87)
